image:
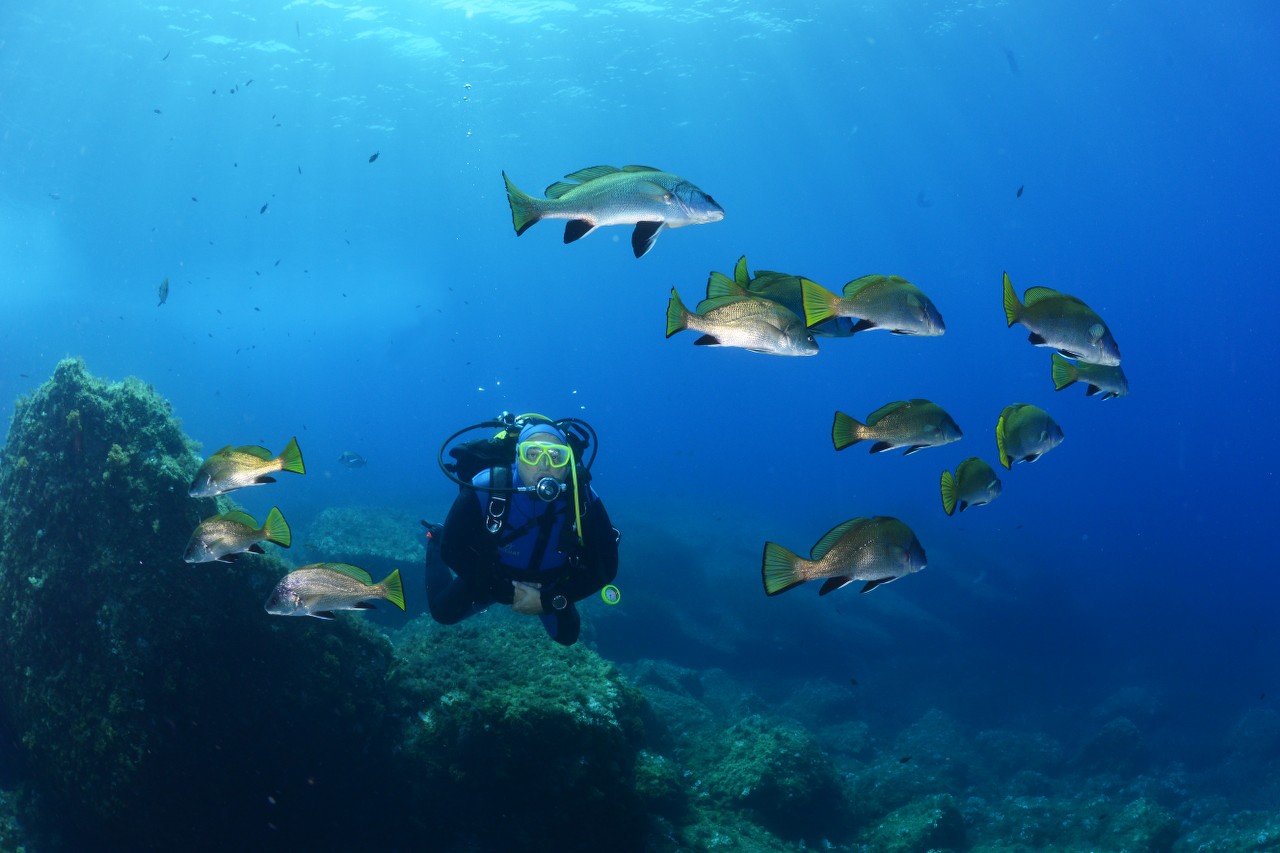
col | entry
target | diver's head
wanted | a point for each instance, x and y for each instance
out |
(542, 452)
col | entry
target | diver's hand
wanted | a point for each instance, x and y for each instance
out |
(526, 598)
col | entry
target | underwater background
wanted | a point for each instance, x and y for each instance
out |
(1090, 662)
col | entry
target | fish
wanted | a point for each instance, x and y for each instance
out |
(757, 325)
(1013, 62)
(878, 302)
(1024, 433)
(352, 459)
(1020, 189)
(158, 111)
(649, 198)
(913, 424)
(1062, 322)
(321, 588)
(223, 538)
(876, 550)
(1108, 381)
(164, 291)
(264, 207)
(373, 156)
(779, 287)
(166, 55)
(234, 468)
(975, 483)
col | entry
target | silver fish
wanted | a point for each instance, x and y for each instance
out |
(606, 195)
(1024, 433)
(234, 468)
(877, 302)
(223, 538)
(1062, 322)
(758, 325)
(975, 483)
(876, 550)
(913, 424)
(1099, 379)
(321, 588)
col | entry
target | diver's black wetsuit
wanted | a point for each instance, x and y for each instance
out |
(472, 552)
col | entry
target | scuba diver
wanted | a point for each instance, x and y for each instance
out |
(526, 528)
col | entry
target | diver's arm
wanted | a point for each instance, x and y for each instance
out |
(466, 545)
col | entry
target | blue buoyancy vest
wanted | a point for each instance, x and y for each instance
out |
(536, 535)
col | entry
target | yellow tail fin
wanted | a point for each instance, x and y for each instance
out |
(845, 431)
(779, 569)
(1012, 307)
(677, 314)
(393, 589)
(291, 458)
(819, 303)
(948, 486)
(277, 529)
(1064, 372)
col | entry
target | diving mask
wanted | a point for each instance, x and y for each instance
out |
(533, 452)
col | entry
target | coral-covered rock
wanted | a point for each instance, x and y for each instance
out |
(774, 770)
(137, 684)
(1116, 748)
(1142, 825)
(515, 741)
(933, 823)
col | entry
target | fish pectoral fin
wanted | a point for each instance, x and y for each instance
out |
(1031, 457)
(576, 229)
(832, 584)
(1036, 340)
(645, 235)
(862, 326)
(326, 615)
(228, 558)
(362, 605)
(708, 341)
(263, 480)
(875, 583)
(913, 448)
(257, 549)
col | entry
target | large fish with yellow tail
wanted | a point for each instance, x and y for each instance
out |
(234, 468)
(649, 198)
(876, 550)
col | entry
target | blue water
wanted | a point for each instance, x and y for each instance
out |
(378, 306)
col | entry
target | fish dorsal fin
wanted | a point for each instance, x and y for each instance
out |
(832, 536)
(1039, 294)
(224, 451)
(886, 409)
(635, 168)
(858, 285)
(740, 274)
(719, 285)
(559, 188)
(239, 517)
(592, 172)
(254, 450)
(715, 302)
(348, 570)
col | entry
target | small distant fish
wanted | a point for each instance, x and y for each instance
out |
(1108, 381)
(1024, 433)
(913, 424)
(223, 538)
(373, 156)
(1020, 189)
(904, 759)
(1061, 322)
(157, 111)
(166, 55)
(263, 209)
(877, 302)
(321, 588)
(299, 170)
(193, 198)
(55, 196)
(757, 325)
(234, 468)
(975, 483)
(1013, 62)
(876, 550)
(164, 291)
(249, 82)
(352, 459)
(606, 195)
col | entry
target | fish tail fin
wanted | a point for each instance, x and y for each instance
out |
(846, 431)
(677, 314)
(393, 589)
(778, 569)
(1064, 372)
(277, 529)
(524, 207)
(948, 487)
(1004, 454)
(819, 303)
(1012, 307)
(291, 458)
